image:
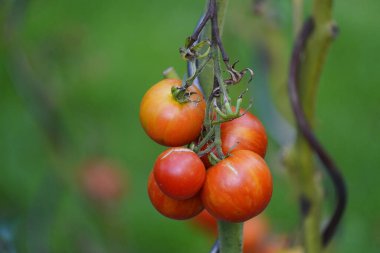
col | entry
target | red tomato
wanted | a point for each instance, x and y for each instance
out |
(102, 181)
(244, 133)
(179, 173)
(172, 208)
(237, 188)
(167, 121)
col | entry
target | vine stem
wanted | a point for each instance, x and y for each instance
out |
(297, 16)
(312, 43)
(230, 234)
(230, 237)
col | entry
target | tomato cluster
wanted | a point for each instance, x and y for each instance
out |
(182, 184)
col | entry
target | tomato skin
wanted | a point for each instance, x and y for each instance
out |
(167, 121)
(244, 133)
(172, 208)
(179, 173)
(237, 188)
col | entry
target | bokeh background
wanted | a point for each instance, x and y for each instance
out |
(74, 160)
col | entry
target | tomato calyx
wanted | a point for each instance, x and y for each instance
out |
(183, 96)
(228, 114)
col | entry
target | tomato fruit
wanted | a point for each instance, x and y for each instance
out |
(172, 208)
(244, 133)
(101, 181)
(238, 187)
(166, 120)
(179, 173)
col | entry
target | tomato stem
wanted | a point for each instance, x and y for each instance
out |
(189, 81)
(205, 139)
(170, 73)
(230, 236)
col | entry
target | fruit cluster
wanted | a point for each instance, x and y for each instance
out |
(235, 188)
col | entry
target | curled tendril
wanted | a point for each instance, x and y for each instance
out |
(236, 76)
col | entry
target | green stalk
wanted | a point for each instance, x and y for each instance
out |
(297, 16)
(218, 74)
(230, 234)
(206, 78)
(230, 237)
(302, 164)
(170, 73)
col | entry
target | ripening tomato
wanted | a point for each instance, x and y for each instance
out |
(179, 173)
(172, 208)
(238, 187)
(167, 121)
(244, 133)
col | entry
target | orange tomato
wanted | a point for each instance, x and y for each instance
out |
(167, 121)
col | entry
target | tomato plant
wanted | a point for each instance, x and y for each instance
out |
(167, 120)
(179, 173)
(237, 188)
(172, 208)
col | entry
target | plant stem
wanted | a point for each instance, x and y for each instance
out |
(230, 236)
(170, 73)
(302, 163)
(206, 77)
(297, 16)
(315, 54)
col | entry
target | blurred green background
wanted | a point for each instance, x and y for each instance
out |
(72, 74)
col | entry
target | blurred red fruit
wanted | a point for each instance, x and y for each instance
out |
(255, 233)
(101, 181)
(206, 222)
